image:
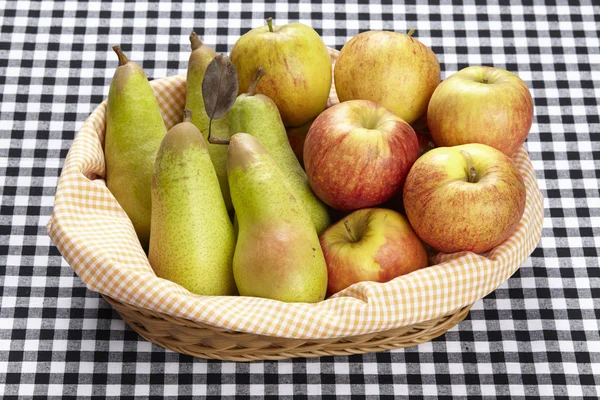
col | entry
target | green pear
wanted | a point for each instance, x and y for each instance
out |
(201, 56)
(191, 238)
(257, 115)
(134, 130)
(277, 255)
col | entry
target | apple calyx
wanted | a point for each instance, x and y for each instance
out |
(471, 171)
(122, 57)
(270, 24)
(260, 72)
(352, 238)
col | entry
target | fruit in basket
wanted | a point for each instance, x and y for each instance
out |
(199, 59)
(191, 240)
(481, 105)
(423, 135)
(296, 137)
(392, 69)
(134, 131)
(425, 143)
(257, 115)
(357, 154)
(297, 65)
(372, 244)
(468, 197)
(277, 255)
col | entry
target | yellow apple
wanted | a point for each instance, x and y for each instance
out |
(481, 105)
(392, 69)
(297, 65)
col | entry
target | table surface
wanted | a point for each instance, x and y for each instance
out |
(536, 335)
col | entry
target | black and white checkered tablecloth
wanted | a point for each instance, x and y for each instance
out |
(535, 336)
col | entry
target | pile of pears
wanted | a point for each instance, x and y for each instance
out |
(220, 202)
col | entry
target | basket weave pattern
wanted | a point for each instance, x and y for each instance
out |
(95, 236)
(205, 341)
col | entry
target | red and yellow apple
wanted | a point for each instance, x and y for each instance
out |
(372, 244)
(481, 105)
(392, 69)
(464, 198)
(357, 154)
(297, 66)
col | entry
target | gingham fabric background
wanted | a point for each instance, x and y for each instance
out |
(536, 335)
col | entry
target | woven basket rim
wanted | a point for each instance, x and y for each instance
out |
(205, 341)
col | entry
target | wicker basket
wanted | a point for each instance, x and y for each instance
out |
(95, 236)
(205, 341)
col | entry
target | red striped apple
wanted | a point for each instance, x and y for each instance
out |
(468, 197)
(481, 105)
(357, 154)
(372, 244)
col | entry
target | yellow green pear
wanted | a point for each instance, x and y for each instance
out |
(134, 131)
(257, 115)
(277, 255)
(191, 238)
(199, 59)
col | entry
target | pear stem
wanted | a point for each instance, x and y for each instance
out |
(270, 24)
(260, 72)
(346, 224)
(122, 57)
(411, 32)
(195, 41)
(216, 140)
(471, 171)
(187, 115)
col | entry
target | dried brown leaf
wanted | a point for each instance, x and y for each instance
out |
(219, 87)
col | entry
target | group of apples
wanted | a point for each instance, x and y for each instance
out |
(248, 204)
(374, 148)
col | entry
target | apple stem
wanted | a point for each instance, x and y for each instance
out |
(122, 57)
(411, 32)
(270, 24)
(346, 224)
(260, 72)
(471, 171)
(187, 115)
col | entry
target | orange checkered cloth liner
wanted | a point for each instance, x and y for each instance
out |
(97, 239)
